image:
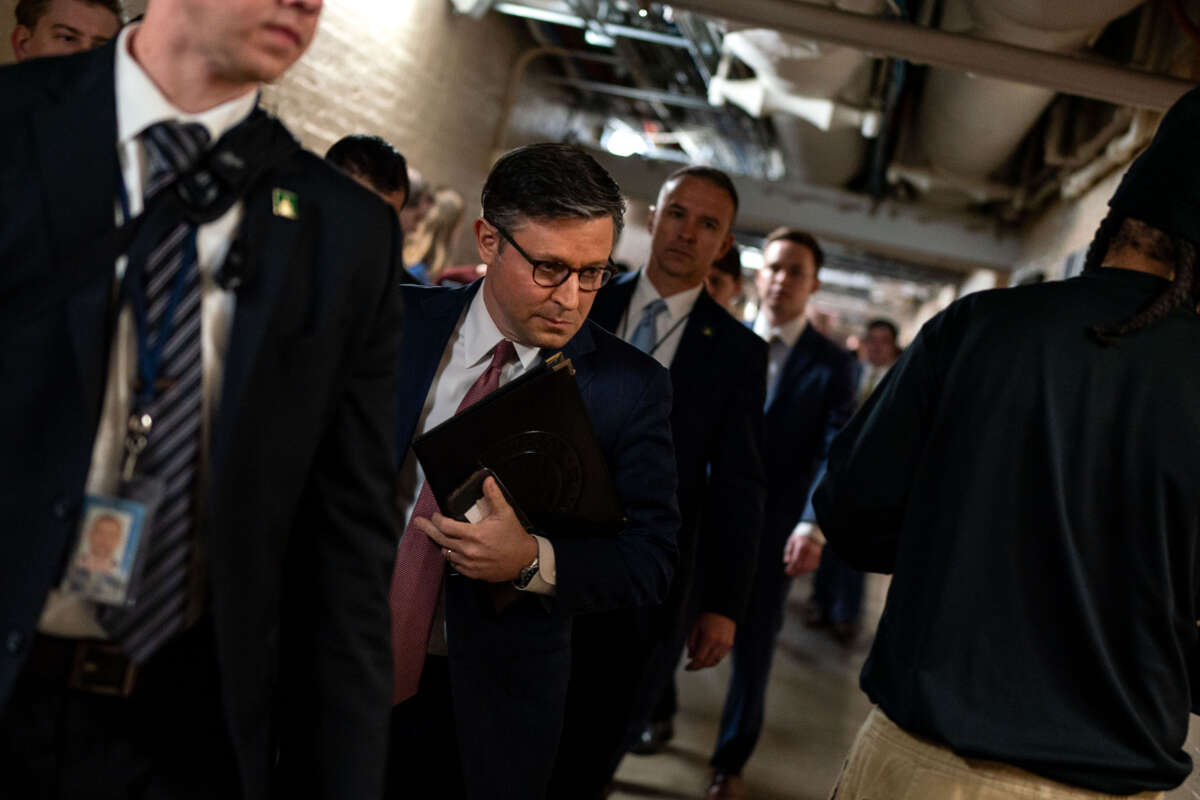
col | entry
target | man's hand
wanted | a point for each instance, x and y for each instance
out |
(710, 640)
(802, 553)
(495, 549)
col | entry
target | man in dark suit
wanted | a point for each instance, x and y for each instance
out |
(256, 657)
(718, 371)
(810, 395)
(836, 602)
(480, 693)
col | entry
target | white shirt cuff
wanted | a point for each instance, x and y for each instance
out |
(544, 582)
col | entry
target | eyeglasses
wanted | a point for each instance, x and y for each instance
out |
(549, 274)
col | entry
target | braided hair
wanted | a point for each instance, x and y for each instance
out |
(1117, 229)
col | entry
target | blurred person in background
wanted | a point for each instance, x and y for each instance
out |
(810, 395)
(725, 281)
(420, 200)
(61, 27)
(836, 601)
(375, 164)
(427, 250)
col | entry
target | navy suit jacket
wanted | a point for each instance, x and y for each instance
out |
(509, 671)
(298, 516)
(719, 381)
(813, 399)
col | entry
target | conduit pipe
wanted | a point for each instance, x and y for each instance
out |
(889, 37)
(970, 125)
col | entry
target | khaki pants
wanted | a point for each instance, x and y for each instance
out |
(886, 763)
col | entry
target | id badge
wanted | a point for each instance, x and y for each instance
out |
(113, 530)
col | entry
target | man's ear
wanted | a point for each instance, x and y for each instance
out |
(651, 218)
(488, 241)
(20, 39)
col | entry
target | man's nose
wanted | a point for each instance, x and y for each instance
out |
(566, 294)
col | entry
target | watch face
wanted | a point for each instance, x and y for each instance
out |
(527, 574)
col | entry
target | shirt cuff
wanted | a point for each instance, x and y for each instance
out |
(544, 582)
(811, 530)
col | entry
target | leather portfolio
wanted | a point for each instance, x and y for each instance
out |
(534, 433)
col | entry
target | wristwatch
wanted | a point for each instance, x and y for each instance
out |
(525, 576)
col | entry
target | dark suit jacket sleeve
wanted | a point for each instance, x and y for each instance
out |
(337, 668)
(861, 503)
(633, 568)
(737, 493)
(839, 408)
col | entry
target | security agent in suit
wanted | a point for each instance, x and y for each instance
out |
(277, 675)
(485, 718)
(810, 395)
(718, 370)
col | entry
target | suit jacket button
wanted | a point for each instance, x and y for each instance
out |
(14, 642)
(60, 509)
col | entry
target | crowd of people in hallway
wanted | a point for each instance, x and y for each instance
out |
(230, 577)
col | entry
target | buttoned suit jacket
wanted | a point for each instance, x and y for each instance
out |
(718, 378)
(297, 522)
(812, 400)
(509, 670)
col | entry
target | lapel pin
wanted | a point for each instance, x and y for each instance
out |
(707, 331)
(285, 204)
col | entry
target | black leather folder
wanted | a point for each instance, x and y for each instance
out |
(535, 435)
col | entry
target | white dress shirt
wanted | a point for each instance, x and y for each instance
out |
(139, 105)
(788, 333)
(465, 359)
(669, 325)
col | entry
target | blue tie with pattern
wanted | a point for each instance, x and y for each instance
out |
(173, 446)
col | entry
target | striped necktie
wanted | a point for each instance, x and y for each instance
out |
(171, 278)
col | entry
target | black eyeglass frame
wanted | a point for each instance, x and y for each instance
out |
(606, 273)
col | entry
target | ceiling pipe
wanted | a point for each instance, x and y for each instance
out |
(1069, 74)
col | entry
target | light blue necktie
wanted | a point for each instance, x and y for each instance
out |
(645, 335)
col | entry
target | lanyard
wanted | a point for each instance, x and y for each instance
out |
(660, 340)
(667, 335)
(149, 357)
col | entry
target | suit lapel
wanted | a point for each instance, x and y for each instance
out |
(794, 367)
(696, 345)
(613, 300)
(579, 350)
(431, 315)
(280, 249)
(80, 177)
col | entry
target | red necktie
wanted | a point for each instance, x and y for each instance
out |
(419, 563)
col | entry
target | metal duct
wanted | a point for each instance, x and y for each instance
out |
(968, 125)
(796, 79)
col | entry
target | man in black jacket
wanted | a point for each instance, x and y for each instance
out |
(1029, 470)
(235, 356)
(718, 372)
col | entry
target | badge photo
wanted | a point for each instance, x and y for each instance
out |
(102, 565)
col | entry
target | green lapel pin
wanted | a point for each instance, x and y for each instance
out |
(285, 204)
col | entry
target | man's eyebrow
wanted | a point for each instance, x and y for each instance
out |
(62, 27)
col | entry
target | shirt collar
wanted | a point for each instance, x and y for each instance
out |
(140, 104)
(480, 335)
(789, 332)
(678, 304)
